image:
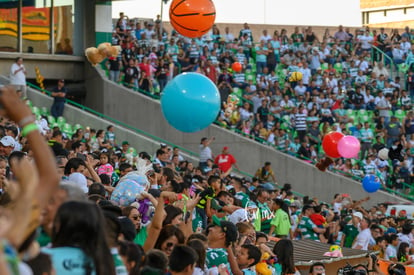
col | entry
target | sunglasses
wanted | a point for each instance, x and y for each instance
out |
(169, 245)
(136, 218)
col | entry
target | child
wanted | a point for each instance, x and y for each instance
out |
(403, 254)
(248, 256)
(105, 167)
(381, 245)
(319, 221)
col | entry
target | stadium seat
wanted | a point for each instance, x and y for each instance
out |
(400, 114)
(29, 103)
(77, 126)
(61, 121)
(363, 118)
(362, 112)
(324, 66)
(35, 110)
(67, 129)
(349, 112)
(51, 120)
(44, 111)
(338, 67)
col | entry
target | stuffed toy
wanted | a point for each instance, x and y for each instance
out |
(230, 109)
(392, 153)
(324, 163)
(93, 56)
(334, 251)
(104, 50)
(262, 267)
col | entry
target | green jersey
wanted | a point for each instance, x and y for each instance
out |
(281, 222)
(243, 197)
(350, 232)
(216, 257)
(306, 227)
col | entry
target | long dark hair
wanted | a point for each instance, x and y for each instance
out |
(284, 252)
(167, 232)
(198, 246)
(172, 212)
(81, 224)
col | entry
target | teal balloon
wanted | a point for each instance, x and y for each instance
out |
(190, 102)
(371, 183)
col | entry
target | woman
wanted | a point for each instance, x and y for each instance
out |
(170, 235)
(245, 111)
(132, 256)
(174, 216)
(283, 250)
(100, 137)
(78, 238)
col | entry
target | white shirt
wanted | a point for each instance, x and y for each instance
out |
(363, 239)
(205, 153)
(390, 252)
(18, 78)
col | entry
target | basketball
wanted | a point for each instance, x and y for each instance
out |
(192, 18)
(237, 67)
(295, 76)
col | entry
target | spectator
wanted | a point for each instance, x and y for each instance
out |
(362, 239)
(18, 77)
(225, 161)
(59, 95)
(306, 227)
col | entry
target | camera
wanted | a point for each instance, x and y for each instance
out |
(352, 270)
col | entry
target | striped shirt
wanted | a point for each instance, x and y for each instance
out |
(239, 78)
(300, 122)
(366, 135)
(205, 153)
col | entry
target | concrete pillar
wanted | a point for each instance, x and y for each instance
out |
(103, 22)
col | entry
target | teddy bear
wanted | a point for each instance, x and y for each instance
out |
(104, 50)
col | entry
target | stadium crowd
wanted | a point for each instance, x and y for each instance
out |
(59, 215)
(193, 219)
(345, 86)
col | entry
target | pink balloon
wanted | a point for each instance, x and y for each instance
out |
(349, 146)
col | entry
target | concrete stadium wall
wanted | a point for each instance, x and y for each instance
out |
(144, 113)
(50, 66)
(75, 115)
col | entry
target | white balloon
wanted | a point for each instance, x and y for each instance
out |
(383, 154)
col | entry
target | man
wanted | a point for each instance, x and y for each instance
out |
(182, 260)
(18, 77)
(63, 193)
(362, 239)
(56, 144)
(300, 122)
(59, 94)
(7, 145)
(341, 35)
(264, 214)
(384, 107)
(308, 229)
(265, 173)
(239, 192)
(205, 151)
(367, 136)
(225, 161)
(317, 268)
(220, 235)
(393, 129)
(280, 224)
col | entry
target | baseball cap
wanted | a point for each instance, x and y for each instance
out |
(358, 215)
(7, 141)
(268, 186)
(225, 148)
(295, 203)
(125, 143)
(228, 228)
(240, 215)
(78, 180)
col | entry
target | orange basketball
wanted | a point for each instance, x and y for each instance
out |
(192, 18)
(237, 67)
